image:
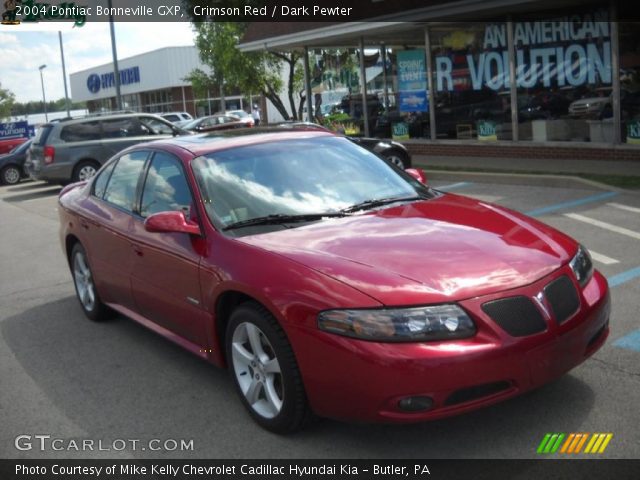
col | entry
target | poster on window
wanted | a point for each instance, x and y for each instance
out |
(412, 81)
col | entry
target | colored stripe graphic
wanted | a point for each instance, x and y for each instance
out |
(573, 443)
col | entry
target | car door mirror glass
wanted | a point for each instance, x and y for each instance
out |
(418, 174)
(170, 222)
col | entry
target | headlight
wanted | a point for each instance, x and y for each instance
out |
(582, 266)
(440, 322)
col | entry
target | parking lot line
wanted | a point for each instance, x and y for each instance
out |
(630, 341)
(623, 277)
(605, 225)
(571, 203)
(453, 186)
(624, 207)
(598, 257)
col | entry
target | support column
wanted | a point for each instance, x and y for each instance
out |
(430, 86)
(385, 80)
(307, 84)
(615, 77)
(363, 78)
(513, 81)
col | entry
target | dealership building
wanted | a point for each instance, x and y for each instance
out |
(444, 83)
(150, 82)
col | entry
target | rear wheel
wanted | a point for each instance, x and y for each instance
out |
(10, 175)
(85, 170)
(86, 291)
(265, 371)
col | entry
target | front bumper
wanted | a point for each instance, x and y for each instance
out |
(360, 380)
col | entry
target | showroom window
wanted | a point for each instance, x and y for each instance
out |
(471, 77)
(564, 77)
(630, 82)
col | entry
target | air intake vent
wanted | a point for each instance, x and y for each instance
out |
(517, 316)
(562, 297)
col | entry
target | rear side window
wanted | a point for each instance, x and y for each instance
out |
(157, 126)
(42, 134)
(100, 183)
(171, 118)
(121, 188)
(123, 127)
(81, 132)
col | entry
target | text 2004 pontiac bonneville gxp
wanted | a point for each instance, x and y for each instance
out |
(327, 280)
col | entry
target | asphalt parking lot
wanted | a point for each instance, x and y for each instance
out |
(64, 376)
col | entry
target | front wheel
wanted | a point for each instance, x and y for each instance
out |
(10, 175)
(86, 291)
(397, 158)
(265, 371)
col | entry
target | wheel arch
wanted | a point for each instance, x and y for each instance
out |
(69, 242)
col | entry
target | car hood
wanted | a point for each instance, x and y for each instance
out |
(445, 249)
(592, 101)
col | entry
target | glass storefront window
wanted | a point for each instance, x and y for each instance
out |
(630, 81)
(564, 77)
(471, 76)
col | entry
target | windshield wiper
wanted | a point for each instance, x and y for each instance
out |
(376, 202)
(277, 218)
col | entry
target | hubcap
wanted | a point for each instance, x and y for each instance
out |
(11, 175)
(86, 172)
(257, 370)
(84, 282)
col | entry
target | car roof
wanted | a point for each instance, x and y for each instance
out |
(91, 118)
(222, 140)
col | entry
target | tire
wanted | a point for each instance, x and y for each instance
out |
(86, 291)
(85, 170)
(264, 370)
(397, 158)
(10, 175)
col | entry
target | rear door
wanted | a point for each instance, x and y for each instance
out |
(107, 223)
(120, 133)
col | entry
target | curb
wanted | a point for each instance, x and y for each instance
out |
(547, 180)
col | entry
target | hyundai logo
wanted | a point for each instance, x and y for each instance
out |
(93, 83)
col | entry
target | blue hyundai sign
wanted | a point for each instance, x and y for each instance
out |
(128, 76)
(15, 130)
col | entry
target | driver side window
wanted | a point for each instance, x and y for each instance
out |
(165, 188)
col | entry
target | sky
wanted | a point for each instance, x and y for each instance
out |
(84, 47)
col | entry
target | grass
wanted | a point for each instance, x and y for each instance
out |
(620, 181)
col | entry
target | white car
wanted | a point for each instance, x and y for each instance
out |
(177, 117)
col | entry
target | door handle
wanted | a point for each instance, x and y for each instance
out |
(138, 251)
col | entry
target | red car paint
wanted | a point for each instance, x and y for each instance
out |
(444, 250)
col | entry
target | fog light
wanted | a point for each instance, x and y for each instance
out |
(415, 404)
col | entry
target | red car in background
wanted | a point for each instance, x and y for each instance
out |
(9, 144)
(214, 122)
(327, 281)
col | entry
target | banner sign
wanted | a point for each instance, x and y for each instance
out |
(569, 51)
(412, 81)
(15, 130)
(399, 131)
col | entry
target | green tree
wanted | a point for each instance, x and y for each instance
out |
(7, 99)
(249, 72)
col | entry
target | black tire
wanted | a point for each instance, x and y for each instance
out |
(94, 309)
(10, 175)
(397, 158)
(286, 385)
(82, 170)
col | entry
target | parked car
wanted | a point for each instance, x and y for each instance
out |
(214, 122)
(327, 281)
(73, 150)
(12, 164)
(177, 117)
(392, 151)
(9, 144)
(244, 117)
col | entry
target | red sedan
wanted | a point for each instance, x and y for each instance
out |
(326, 280)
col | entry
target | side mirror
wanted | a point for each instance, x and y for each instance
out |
(418, 174)
(173, 222)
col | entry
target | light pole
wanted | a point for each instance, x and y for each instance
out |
(64, 76)
(44, 100)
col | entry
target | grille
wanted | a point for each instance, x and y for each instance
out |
(563, 298)
(517, 316)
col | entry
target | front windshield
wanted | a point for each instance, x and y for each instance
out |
(296, 177)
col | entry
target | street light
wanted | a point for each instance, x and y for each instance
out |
(44, 100)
